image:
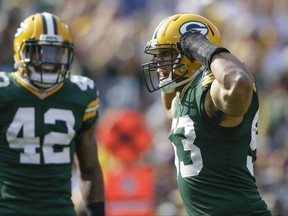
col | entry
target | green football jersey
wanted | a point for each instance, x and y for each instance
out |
(37, 131)
(214, 164)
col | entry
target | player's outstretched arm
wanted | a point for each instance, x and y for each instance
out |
(91, 176)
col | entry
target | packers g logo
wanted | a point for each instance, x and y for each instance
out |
(201, 27)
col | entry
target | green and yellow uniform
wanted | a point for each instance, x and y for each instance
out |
(37, 131)
(214, 164)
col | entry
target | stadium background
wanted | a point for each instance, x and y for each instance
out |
(136, 156)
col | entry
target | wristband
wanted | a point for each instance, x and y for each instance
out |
(96, 209)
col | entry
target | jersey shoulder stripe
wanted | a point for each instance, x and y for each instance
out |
(208, 77)
(91, 109)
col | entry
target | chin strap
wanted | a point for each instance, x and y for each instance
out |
(171, 87)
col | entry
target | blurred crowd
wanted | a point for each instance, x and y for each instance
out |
(109, 37)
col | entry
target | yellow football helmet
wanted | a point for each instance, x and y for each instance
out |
(43, 49)
(164, 39)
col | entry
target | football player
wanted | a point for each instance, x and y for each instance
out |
(211, 99)
(46, 117)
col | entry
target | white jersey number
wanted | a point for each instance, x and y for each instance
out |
(21, 135)
(193, 165)
(253, 143)
(82, 82)
(4, 80)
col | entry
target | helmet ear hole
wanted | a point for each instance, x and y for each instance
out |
(183, 68)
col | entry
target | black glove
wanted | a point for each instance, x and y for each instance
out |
(196, 46)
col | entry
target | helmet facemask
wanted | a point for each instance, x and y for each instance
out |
(46, 64)
(173, 68)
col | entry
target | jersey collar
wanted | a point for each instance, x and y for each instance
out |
(38, 92)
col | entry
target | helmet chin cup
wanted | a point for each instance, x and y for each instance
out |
(167, 86)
